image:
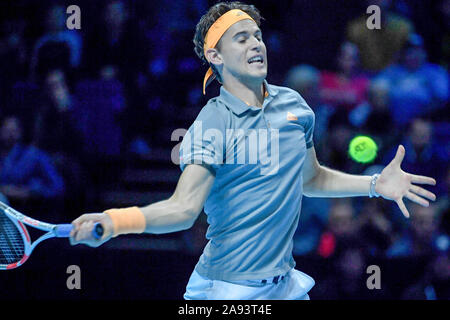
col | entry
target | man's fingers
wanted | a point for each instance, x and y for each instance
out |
(399, 155)
(87, 217)
(84, 232)
(76, 226)
(422, 180)
(423, 192)
(402, 207)
(415, 198)
(78, 221)
(73, 234)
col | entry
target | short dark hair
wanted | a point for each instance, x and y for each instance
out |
(207, 20)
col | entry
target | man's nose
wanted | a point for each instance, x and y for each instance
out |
(255, 44)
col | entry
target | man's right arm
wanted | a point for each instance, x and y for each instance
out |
(177, 213)
(180, 211)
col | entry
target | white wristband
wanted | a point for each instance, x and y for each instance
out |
(373, 182)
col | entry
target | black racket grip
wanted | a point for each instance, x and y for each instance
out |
(97, 231)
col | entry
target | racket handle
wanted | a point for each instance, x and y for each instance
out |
(97, 231)
(63, 230)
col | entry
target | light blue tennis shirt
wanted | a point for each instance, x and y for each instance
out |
(257, 155)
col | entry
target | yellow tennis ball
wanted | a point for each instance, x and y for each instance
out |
(362, 149)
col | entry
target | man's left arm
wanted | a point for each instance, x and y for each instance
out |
(392, 184)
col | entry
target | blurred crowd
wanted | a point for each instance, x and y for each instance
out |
(75, 103)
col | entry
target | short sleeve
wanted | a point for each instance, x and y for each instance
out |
(203, 143)
(309, 132)
(308, 121)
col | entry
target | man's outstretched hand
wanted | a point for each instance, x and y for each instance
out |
(394, 184)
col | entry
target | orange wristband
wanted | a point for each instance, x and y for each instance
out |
(127, 220)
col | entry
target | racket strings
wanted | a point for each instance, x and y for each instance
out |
(12, 247)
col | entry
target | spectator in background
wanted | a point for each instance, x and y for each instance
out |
(373, 116)
(423, 156)
(56, 126)
(377, 104)
(347, 87)
(376, 227)
(116, 48)
(435, 283)
(341, 228)
(379, 47)
(350, 265)
(172, 20)
(58, 47)
(335, 152)
(419, 88)
(100, 107)
(118, 54)
(347, 277)
(421, 235)
(13, 55)
(27, 174)
(57, 131)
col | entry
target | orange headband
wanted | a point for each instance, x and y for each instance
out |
(215, 32)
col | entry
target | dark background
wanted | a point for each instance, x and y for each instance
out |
(101, 107)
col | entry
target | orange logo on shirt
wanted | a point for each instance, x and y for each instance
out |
(291, 117)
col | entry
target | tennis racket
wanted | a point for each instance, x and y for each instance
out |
(15, 241)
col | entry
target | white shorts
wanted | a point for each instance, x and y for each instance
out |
(294, 286)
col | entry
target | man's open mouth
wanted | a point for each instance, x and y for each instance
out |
(256, 59)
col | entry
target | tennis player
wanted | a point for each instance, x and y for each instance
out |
(253, 205)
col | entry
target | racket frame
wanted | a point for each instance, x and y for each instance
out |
(19, 219)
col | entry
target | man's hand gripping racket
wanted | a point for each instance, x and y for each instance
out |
(92, 229)
(15, 241)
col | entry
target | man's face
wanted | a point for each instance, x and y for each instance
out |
(423, 222)
(115, 13)
(56, 84)
(56, 20)
(10, 132)
(420, 133)
(379, 96)
(240, 43)
(348, 58)
(341, 220)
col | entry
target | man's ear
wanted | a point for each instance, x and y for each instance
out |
(213, 56)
